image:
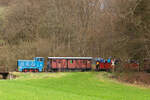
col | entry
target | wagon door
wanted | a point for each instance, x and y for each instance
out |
(89, 64)
(54, 64)
(78, 65)
(84, 64)
(64, 64)
(59, 64)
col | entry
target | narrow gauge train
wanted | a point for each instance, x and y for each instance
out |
(38, 64)
(55, 64)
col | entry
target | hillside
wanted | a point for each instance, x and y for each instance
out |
(69, 86)
(32, 28)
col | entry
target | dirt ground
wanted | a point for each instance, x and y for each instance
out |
(139, 78)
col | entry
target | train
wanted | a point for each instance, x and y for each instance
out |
(39, 64)
(62, 64)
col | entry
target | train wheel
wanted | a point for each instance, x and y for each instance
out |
(25, 70)
(30, 70)
(17, 70)
(36, 70)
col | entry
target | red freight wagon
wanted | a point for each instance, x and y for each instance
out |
(69, 63)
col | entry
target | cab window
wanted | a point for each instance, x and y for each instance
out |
(40, 59)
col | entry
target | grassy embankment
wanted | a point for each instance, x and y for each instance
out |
(69, 86)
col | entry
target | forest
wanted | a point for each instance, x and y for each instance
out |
(96, 28)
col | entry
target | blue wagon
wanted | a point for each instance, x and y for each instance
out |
(35, 65)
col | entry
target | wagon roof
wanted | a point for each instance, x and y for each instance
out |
(89, 58)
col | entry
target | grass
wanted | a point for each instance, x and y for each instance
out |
(69, 86)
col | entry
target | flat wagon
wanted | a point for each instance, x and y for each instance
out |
(102, 64)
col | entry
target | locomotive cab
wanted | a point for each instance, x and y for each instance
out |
(39, 63)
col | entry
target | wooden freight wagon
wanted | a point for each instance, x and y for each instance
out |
(69, 63)
(132, 65)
